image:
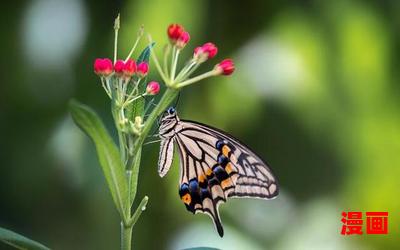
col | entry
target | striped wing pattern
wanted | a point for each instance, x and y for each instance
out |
(215, 167)
(166, 157)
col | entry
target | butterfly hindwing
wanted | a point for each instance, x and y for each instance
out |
(199, 187)
(214, 167)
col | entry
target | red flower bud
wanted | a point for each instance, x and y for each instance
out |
(153, 88)
(103, 67)
(226, 67)
(129, 67)
(174, 31)
(197, 50)
(207, 51)
(142, 69)
(211, 49)
(183, 40)
(119, 67)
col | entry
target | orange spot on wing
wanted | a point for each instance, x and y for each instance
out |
(208, 171)
(226, 183)
(226, 150)
(201, 178)
(228, 168)
(186, 199)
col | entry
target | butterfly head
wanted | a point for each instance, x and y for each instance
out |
(171, 111)
(168, 122)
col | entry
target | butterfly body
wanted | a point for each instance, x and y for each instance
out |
(214, 166)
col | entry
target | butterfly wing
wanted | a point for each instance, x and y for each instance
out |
(166, 156)
(215, 166)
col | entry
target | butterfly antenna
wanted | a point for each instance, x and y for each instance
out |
(151, 142)
(151, 103)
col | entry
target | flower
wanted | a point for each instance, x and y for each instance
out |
(183, 40)
(142, 69)
(103, 66)
(225, 67)
(153, 88)
(207, 51)
(174, 32)
(137, 125)
(129, 67)
(119, 67)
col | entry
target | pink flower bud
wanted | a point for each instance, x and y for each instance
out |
(183, 40)
(174, 31)
(129, 67)
(103, 66)
(153, 88)
(142, 69)
(119, 67)
(211, 49)
(225, 67)
(197, 50)
(207, 51)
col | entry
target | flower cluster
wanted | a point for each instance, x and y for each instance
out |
(123, 82)
(122, 70)
(122, 79)
(179, 38)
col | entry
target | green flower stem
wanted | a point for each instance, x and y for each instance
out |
(188, 72)
(139, 211)
(105, 86)
(115, 110)
(165, 59)
(126, 237)
(197, 78)
(175, 56)
(160, 71)
(139, 36)
(126, 227)
(116, 28)
(166, 100)
(171, 75)
(134, 178)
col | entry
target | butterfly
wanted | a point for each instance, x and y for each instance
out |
(214, 166)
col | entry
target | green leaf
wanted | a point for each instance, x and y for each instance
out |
(145, 55)
(107, 152)
(135, 175)
(18, 241)
(137, 107)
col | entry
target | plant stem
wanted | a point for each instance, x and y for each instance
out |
(116, 28)
(174, 63)
(166, 100)
(140, 33)
(139, 211)
(165, 59)
(197, 78)
(185, 70)
(160, 71)
(126, 237)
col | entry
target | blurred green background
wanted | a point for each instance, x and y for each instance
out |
(316, 94)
